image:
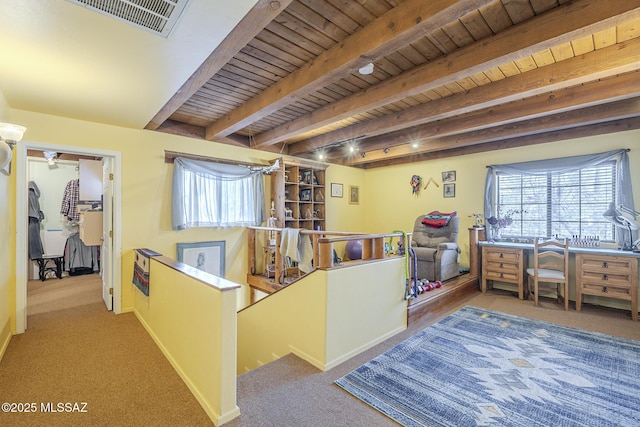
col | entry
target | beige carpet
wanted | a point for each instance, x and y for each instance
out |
(86, 354)
(75, 350)
(60, 294)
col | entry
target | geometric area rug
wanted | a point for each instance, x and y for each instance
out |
(480, 367)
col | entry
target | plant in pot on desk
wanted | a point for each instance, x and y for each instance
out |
(500, 222)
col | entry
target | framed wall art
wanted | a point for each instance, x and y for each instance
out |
(354, 194)
(206, 256)
(336, 190)
(449, 190)
(448, 176)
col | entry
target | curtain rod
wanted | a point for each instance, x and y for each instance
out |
(626, 149)
(169, 157)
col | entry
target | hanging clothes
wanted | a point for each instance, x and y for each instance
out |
(35, 216)
(80, 258)
(70, 198)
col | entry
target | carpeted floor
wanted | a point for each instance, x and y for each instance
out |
(86, 354)
(75, 351)
(481, 367)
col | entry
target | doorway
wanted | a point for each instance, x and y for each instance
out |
(110, 254)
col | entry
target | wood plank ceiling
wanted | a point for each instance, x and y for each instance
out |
(450, 78)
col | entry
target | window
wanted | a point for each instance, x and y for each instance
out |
(207, 194)
(559, 203)
(562, 197)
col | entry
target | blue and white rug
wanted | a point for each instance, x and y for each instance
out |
(479, 367)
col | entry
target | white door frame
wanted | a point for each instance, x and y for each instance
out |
(21, 173)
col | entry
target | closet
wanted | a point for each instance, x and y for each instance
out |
(70, 226)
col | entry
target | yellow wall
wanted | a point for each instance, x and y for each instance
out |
(326, 317)
(194, 324)
(6, 250)
(146, 188)
(388, 193)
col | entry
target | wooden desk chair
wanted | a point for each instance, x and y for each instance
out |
(550, 266)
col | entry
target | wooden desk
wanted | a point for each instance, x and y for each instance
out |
(602, 272)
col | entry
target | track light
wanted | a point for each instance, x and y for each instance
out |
(363, 154)
(367, 69)
(386, 150)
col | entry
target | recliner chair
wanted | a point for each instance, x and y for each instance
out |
(437, 250)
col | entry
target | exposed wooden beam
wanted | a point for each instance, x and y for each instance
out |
(525, 141)
(262, 13)
(611, 111)
(192, 131)
(559, 25)
(597, 92)
(598, 64)
(402, 24)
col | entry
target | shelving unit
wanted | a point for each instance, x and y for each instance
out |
(299, 196)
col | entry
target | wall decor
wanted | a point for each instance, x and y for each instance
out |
(354, 195)
(336, 190)
(416, 182)
(449, 190)
(448, 176)
(206, 256)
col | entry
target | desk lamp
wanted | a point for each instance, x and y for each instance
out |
(624, 217)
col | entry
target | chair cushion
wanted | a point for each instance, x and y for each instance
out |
(544, 273)
(438, 219)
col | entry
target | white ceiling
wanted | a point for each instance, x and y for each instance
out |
(62, 59)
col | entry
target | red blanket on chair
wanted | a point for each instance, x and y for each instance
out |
(438, 219)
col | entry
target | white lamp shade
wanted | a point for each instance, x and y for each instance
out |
(11, 132)
(5, 158)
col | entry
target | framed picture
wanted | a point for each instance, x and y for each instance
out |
(448, 176)
(206, 256)
(336, 190)
(449, 190)
(354, 194)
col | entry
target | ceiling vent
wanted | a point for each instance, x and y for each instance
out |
(156, 16)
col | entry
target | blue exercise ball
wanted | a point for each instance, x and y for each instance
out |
(354, 249)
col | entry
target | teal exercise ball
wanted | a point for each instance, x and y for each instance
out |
(354, 249)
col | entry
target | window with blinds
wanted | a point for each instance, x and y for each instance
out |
(559, 204)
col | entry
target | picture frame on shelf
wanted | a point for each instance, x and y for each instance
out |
(205, 256)
(449, 190)
(336, 189)
(305, 195)
(354, 195)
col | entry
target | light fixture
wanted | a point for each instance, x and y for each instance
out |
(386, 150)
(624, 217)
(10, 134)
(363, 154)
(51, 156)
(367, 69)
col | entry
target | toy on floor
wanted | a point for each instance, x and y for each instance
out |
(424, 285)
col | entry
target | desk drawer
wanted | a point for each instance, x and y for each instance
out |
(606, 264)
(605, 279)
(502, 255)
(606, 290)
(503, 275)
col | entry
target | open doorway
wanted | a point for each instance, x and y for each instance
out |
(65, 231)
(107, 208)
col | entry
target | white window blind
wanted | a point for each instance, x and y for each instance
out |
(559, 203)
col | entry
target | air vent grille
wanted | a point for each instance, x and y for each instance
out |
(156, 16)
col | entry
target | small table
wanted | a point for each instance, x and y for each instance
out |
(45, 266)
